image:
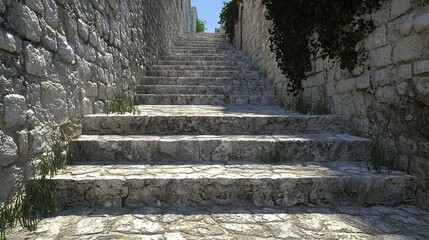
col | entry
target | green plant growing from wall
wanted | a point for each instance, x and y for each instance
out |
(36, 200)
(122, 102)
(201, 26)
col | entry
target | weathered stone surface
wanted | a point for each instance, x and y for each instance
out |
(9, 42)
(228, 223)
(409, 48)
(399, 7)
(421, 67)
(82, 30)
(169, 119)
(386, 94)
(35, 5)
(37, 60)
(65, 50)
(15, 110)
(10, 177)
(197, 148)
(381, 57)
(24, 21)
(54, 100)
(422, 87)
(232, 184)
(376, 39)
(422, 22)
(363, 82)
(8, 151)
(2, 6)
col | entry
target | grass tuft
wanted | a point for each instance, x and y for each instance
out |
(273, 154)
(303, 105)
(380, 158)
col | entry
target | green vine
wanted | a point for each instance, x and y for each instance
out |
(303, 30)
(229, 17)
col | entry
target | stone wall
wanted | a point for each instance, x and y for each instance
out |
(387, 99)
(61, 59)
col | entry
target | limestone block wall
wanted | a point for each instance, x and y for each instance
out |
(61, 59)
(387, 99)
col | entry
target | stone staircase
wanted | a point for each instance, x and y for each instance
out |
(206, 119)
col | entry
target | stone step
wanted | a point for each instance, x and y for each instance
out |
(218, 120)
(204, 90)
(203, 45)
(203, 51)
(202, 73)
(206, 57)
(229, 223)
(199, 99)
(203, 81)
(247, 185)
(220, 46)
(197, 148)
(210, 68)
(204, 63)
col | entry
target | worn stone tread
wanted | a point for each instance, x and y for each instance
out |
(205, 90)
(223, 223)
(201, 81)
(204, 99)
(185, 119)
(302, 147)
(231, 184)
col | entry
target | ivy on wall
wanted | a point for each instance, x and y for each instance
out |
(303, 29)
(229, 17)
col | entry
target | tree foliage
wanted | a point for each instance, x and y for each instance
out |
(201, 25)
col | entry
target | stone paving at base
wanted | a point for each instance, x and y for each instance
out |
(405, 222)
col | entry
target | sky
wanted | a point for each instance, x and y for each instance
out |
(209, 10)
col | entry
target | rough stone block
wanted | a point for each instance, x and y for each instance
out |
(15, 108)
(9, 42)
(408, 49)
(98, 107)
(2, 6)
(376, 39)
(9, 179)
(54, 100)
(82, 30)
(49, 38)
(421, 67)
(381, 77)
(24, 21)
(402, 88)
(346, 85)
(422, 87)
(386, 94)
(381, 57)
(35, 5)
(87, 106)
(399, 7)
(362, 82)
(23, 142)
(71, 29)
(37, 60)
(402, 72)
(8, 150)
(421, 23)
(65, 50)
(51, 13)
(91, 89)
